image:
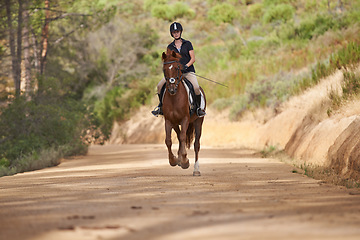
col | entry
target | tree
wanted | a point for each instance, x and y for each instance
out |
(27, 61)
(15, 50)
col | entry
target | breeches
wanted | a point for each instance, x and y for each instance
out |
(190, 76)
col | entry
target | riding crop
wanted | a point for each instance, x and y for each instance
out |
(209, 80)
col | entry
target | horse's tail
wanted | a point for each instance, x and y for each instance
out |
(190, 134)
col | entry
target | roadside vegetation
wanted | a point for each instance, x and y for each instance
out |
(82, 65)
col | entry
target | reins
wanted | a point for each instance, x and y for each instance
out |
(177, 84)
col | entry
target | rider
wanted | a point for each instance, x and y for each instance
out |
(185, 48)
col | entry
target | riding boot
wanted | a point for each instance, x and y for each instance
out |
(158, 110)
(200, 112)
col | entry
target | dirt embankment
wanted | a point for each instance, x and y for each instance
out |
(302, 127)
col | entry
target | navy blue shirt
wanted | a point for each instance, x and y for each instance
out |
(186, 47)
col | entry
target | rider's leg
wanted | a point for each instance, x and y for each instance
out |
(192, 78)
(158, 110)
(160, 85)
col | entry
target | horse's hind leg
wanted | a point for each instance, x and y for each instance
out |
(172, 159)
(198, 129)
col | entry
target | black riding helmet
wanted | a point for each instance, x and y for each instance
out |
(175, 26)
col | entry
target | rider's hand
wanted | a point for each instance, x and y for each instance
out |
(185, 67)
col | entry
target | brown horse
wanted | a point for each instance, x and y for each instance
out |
(177, 113)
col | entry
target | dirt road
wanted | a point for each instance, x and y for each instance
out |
(130, 192)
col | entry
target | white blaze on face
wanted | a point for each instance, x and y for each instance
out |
(170, 67)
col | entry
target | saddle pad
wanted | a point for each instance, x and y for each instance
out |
(190, 93)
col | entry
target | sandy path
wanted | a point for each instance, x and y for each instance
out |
(130, 192)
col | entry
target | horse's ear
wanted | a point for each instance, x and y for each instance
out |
(163, 56)
(173, 53)
(168, 51)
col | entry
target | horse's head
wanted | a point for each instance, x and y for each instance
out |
(172, 70)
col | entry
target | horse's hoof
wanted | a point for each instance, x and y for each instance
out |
(185, 165)
(174, 162)
(196, 173)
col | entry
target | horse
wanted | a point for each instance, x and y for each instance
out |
(176, 112)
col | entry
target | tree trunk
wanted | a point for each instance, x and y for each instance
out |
(44, 38)
(19, 48)
(14, 60)
(27, 63)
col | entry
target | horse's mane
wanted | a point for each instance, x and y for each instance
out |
(171, 55)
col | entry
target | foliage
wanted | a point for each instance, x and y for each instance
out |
(311, 27)
(222, 13)
(256, 10)
(180, 9)
(277, 2)
(351, 84)
(162, 10)
(118, 103)
(28, 127)
(281, 12)
(348, 56)
(271, 91)
(149, 4)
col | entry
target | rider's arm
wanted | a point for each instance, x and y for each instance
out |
(192, 60)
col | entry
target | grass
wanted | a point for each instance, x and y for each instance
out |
(350, 90)
(269, 151)
(323, 174)
(329, 176)
(39, 160)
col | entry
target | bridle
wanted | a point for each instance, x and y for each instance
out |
(172, 80)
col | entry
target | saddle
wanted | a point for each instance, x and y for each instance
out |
(191, 95)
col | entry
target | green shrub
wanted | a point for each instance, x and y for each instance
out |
(180, 9)
(173, 11)
(162, 12)
(352, 16)
(26, 127)
(222, 13)
(312, 27)
(149, 4)
(4, 162)
(277, 2)
(281, 12)
(118, 103)
(256, 10)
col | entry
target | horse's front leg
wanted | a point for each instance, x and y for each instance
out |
(172, 159)
(177, 130)
(182, 154)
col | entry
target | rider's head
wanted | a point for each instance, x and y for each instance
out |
(176, 27)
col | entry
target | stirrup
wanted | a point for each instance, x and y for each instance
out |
(157, 111)
(200, 112)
